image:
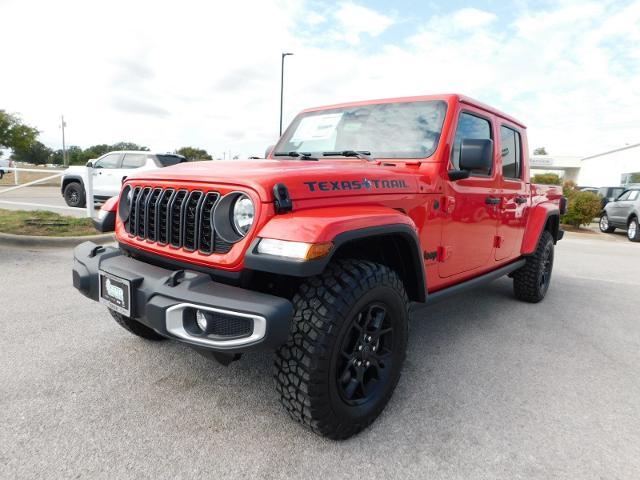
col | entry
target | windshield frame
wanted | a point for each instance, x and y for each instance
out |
(289, 132)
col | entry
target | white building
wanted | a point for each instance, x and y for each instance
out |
(565, 166)
(609, 169)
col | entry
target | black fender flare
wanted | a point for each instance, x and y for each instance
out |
(310, 268)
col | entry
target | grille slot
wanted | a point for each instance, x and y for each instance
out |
(177, 217)
(222, 325)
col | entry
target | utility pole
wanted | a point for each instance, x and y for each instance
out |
(282, 87)
(65, 160)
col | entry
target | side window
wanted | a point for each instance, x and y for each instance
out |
(624, 196)
(134, 160)
(633, 195)
(469, 126)
(108, 161)
(511, 153)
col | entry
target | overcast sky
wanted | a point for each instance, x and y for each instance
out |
(206, 74)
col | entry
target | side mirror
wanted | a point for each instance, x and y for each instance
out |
(455, 175)
(89, 164)
(476, 155)
(268, 151)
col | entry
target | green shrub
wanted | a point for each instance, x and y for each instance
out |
(546, 179)
(582, 209)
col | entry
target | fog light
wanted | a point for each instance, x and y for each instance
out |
(201, 320)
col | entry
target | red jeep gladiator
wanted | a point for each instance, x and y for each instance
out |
(316, 251)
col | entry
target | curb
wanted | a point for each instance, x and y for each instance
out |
(43, 241)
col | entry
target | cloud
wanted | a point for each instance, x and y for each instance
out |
(137, 106)
(356, 20)
(468, 18)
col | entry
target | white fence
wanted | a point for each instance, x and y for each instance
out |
(88, 189)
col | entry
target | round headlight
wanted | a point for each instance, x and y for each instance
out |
(124, 204)
(243, 213)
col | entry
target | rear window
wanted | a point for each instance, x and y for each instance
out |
(168, 160)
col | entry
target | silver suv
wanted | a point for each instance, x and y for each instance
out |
(623, 213)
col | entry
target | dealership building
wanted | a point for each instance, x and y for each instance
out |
(607, 169)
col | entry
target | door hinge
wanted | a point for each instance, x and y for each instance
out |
(498, 241)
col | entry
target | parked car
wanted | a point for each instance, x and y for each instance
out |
(609, 194)
(109, 171)
(4, 164)
(315, 253)
(623, 213)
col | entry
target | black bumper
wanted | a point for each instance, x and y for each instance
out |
(155, 290)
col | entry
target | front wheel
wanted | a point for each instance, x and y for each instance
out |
(74, 195)
(531, 282)
(346, 348)
(605, 226)
(633, 232)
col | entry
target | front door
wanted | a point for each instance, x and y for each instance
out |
(514, 194)
(471, 206)
(104, 171)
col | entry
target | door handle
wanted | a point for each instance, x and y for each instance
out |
(520, 200)
(492, 200)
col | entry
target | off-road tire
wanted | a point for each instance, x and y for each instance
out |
(531, 282)
(74, 195)
(328, 308)
(633, 232)
(604, 224)
(135, 327)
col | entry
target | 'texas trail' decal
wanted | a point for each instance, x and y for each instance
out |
(355, 185)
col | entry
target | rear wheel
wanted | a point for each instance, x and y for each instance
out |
(346, 348)
(74, 195)
(531, 282)
(135, 327)
(633, 232)
(605, 226)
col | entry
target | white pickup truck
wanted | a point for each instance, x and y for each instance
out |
(109, 171)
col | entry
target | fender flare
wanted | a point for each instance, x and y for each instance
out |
(538, 218)
(67, 179)
(403, 228)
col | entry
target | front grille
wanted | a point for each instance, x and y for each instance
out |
(178, 217)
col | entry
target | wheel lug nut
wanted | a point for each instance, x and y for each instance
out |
(359, 363)
(368, 363)
(359, 347)
(374, 348)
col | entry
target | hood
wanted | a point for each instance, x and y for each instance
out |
(304, 179)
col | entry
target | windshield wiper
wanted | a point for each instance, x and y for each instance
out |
(294, 154)
(365, 154)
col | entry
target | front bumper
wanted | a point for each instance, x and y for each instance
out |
(161, 299)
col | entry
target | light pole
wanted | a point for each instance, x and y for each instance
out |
(282, 87)
(64, 147)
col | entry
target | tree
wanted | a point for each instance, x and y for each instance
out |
(128, 146)
(14, 134)
(546, 179)
(540, 151)
(193, 153)
(36, 152)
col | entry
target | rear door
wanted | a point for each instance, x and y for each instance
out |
(626, 206)
(514, 193)
(130, 163)
(471, 205)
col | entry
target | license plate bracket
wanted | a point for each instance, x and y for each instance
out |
(115, 293)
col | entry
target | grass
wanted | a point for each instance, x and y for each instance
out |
(44, 223)
(24, 177)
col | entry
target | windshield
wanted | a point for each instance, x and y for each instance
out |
(387, 130)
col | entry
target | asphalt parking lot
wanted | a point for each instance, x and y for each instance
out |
(492, 388)
(41, 197)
